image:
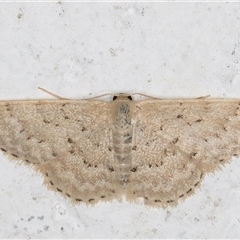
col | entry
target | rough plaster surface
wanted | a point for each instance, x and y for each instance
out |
(78, 50)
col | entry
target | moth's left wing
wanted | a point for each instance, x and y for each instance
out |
(69, 142)
(176, 142)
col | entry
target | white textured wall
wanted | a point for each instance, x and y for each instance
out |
(76, 50)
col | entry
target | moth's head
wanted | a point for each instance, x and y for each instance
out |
(122, 96)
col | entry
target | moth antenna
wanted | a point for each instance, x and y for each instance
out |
(103, 95)
(207, 96)
(144, 95)
(62, 98)
(52, 94)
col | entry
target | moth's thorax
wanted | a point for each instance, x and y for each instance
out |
(122, 132)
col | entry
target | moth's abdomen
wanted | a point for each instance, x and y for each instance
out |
(122, 142)
(122, 145)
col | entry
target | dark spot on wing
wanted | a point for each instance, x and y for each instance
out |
(189, 190)
(46, 121)
(22, 131)
(128, 138)
(175, 140)
(193, 154)
(71, 151)
(196, 184)
(111, 169)
(7, 107)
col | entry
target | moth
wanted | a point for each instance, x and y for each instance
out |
(91, 150)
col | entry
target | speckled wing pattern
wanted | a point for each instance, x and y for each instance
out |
(177, 142)
(167, 146)
(67, 141)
